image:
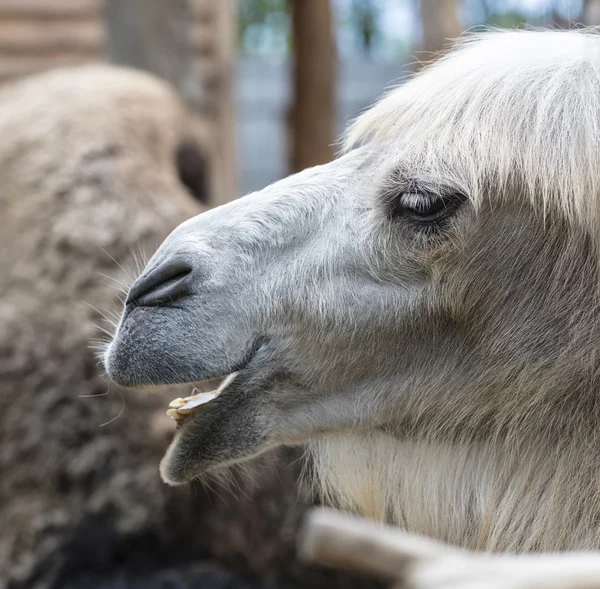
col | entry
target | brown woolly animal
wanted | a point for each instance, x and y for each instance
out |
(95, 169)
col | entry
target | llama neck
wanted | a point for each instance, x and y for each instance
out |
(482, 497)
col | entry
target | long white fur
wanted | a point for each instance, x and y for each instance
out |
(504, 106)
(507, 107)
(481, 497)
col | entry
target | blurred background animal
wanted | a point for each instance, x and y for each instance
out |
(89, 168)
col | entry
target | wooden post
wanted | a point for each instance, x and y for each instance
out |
(155, 36)
(313, 111)
(190, 43)
(439, 19)
(591, 12)
(214, 39)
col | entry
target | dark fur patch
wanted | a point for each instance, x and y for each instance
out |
(192, 168)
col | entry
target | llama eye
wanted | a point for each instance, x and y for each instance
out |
(424, 209)
(420, 204)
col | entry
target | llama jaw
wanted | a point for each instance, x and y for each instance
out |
(219, 432)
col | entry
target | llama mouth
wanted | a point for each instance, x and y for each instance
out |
(182, 408)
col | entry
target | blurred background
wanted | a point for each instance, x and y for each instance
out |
(276, 80)
(98, 162)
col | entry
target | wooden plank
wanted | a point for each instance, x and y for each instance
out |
(14, 67)
(50, 9)
(362, 546)
(37, 38)
(331, 538)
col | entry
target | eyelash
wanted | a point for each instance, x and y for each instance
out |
(420, 204)
(423, 209)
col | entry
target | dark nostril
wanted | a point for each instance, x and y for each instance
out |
(162, 285)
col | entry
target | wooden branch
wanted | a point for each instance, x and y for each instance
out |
(361, 546)
(330, 538)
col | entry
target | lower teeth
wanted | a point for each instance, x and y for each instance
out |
(180, 408)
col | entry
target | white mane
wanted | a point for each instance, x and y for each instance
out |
(505, 108)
